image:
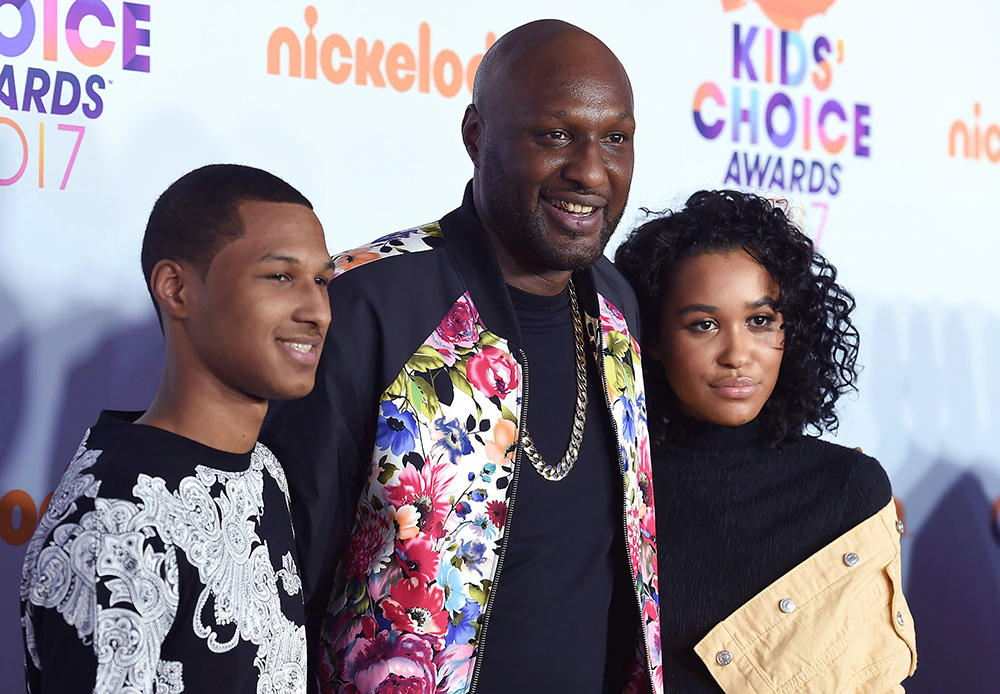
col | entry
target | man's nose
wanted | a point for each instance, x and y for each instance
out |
(587, 165)
(314, 306)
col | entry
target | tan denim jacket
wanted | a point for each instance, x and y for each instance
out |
(838, 622)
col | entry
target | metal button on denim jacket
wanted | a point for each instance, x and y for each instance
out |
(838, 622)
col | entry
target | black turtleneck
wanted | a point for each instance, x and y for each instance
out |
(733, 515)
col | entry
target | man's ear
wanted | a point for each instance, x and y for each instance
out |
(471, 131)
(170, 284)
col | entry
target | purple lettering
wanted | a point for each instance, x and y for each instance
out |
(133, 36)
(33, 92)
(780, 139)
(861, 129)
(741, 53)
(58, 107)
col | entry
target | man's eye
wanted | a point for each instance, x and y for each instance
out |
(557, 135)
(617, 138)
(280, 276)
(322, 281)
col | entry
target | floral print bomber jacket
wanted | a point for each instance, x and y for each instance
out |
(411, 484)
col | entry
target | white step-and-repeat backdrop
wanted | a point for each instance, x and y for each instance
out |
(878, 122)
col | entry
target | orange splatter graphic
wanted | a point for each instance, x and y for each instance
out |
(786, 14)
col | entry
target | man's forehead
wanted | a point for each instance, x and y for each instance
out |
(546, 55)
(570, 52)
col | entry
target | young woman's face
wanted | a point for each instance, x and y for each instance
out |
(720, 339)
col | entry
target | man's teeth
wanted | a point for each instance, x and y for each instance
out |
(574, 208)
(298, 346)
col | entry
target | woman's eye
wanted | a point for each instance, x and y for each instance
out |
(702, 326)
(761, 321)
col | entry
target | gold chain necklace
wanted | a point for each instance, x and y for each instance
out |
(554, 473)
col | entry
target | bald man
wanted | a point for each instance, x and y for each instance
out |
(459, 533)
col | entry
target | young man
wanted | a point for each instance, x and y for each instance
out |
(472, 557)
(165, 561)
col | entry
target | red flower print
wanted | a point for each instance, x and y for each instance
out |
(493, 372)
(459, 326)
(418, 558)
(370, 544)
(634, 539)
(390, 663)
(611, 318)
(497, 512)
(416, 608)
(426, 490)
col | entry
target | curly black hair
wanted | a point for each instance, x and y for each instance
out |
(821, 343)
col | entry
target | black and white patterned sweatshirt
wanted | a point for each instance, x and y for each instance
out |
(162, 565)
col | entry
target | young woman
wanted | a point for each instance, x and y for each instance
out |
(778, 552)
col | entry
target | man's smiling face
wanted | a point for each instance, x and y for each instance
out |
(556, 153)
(261, 313)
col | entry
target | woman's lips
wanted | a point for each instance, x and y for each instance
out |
(736, 388)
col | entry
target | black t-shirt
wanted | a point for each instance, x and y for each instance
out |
(733, 516)
(548, 627)
(162, 564)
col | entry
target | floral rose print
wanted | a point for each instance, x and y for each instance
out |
(426, 490)
(408, 609)
(418, 558)
(493, 372)
(417, 608)
(370, 546)
(390, 662)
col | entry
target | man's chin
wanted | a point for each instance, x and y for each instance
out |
(582, 252)
(571, 259)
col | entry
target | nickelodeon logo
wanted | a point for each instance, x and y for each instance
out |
(975, 142)
(19, 516)
(399, 66)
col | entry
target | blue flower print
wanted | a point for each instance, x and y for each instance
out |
(628, 418)
(484, 528)
(452, 439)
(463, 631)
(450, 579)
(462, 509)
(472, 554)
(396, 430)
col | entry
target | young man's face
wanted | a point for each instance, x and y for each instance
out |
(262, 312)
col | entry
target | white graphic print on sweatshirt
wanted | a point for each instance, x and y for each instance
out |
(111, 546)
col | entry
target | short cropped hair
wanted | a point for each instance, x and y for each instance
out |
(821, 343)
(199, 214)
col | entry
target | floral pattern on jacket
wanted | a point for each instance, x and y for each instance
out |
(398, 243)
(410, 594)
(419, 565)
(623, 376)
